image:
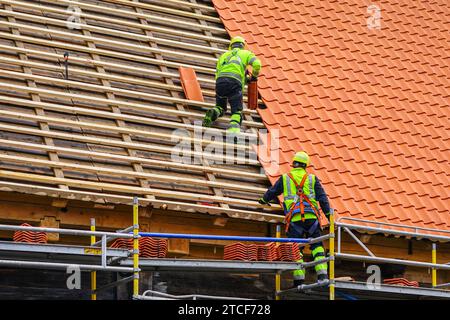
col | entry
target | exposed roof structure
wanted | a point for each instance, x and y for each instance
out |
(108, 131)
(369, 104)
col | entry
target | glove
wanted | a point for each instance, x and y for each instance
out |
(249, 77)
(262, 201)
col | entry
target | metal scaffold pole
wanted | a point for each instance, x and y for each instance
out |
(93, 273)
(332, 285)
(135, 248)
(278, 276)
(433, 270)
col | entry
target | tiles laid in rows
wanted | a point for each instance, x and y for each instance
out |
(370, 107)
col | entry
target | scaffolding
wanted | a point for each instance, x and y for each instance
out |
(98, 257)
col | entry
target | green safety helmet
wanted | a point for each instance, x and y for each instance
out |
(301, 157)
(237, 39)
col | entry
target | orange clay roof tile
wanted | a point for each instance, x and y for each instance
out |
(369, 106)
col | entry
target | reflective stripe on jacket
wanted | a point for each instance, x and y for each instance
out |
(290, 193)
(233, 64)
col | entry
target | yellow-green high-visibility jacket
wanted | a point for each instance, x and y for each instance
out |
(290, 193)
(233, 63)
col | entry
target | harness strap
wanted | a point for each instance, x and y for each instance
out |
(301, 195)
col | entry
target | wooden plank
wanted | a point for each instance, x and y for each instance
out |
(112, 32)
(204, 60)
(130, 190)
(187, 4)
(35, 97)
(125, 13)
(141, 107)
(163, 9)
(130, 159)
(93, 87)
(102, 88)
(103, 76)
(128, 200)
(126, 68)
(79, 213)
(110, 115)
(116, 110)
(121, 22)
(103, 52)
(209, 175)
(128, 173)
(92, 63)
(123, 130)
(121, 144)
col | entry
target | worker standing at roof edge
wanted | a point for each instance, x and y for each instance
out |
(302, 216)
(231, 77)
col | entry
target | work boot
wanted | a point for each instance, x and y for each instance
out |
(235, 124)
(209, 117)
(298, 283)
(234, 130)
(322, 278)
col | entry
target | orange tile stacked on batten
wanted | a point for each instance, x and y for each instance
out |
(371, 107)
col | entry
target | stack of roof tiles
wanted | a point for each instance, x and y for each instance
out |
(122, 244)
(289, 252)
(29, 236)
(152, 248)
(148, 247)
(370, 106)
(401, 282)
(268, 252)
(241, 251)
(262, 252)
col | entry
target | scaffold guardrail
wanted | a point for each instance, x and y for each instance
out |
(134, 265)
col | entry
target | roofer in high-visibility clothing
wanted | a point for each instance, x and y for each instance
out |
(300, 225)
(231, 77)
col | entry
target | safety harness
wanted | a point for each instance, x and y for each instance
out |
(299, 203)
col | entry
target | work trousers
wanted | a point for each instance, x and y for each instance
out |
(308, 229)
(229, 90)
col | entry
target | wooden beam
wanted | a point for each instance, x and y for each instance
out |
(90, 62)
(201, 59)
(123, 130)
(128, 200)
(188, 4)
(127, 14)
(128, 173)
(129, 159)
(60, 203)
(50, 222)
(121, 22)
(164, 9)
(78, 215)
(127, 189)
(112, 32)
(105, 76)
(119, 91)
(102, 101)
(120, 116)
(122, 144)
(108, 53)
(35, 97)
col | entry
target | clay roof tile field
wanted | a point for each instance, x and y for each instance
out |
(370, 105)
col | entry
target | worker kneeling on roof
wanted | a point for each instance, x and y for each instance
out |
(302, 192)
(231, 77)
